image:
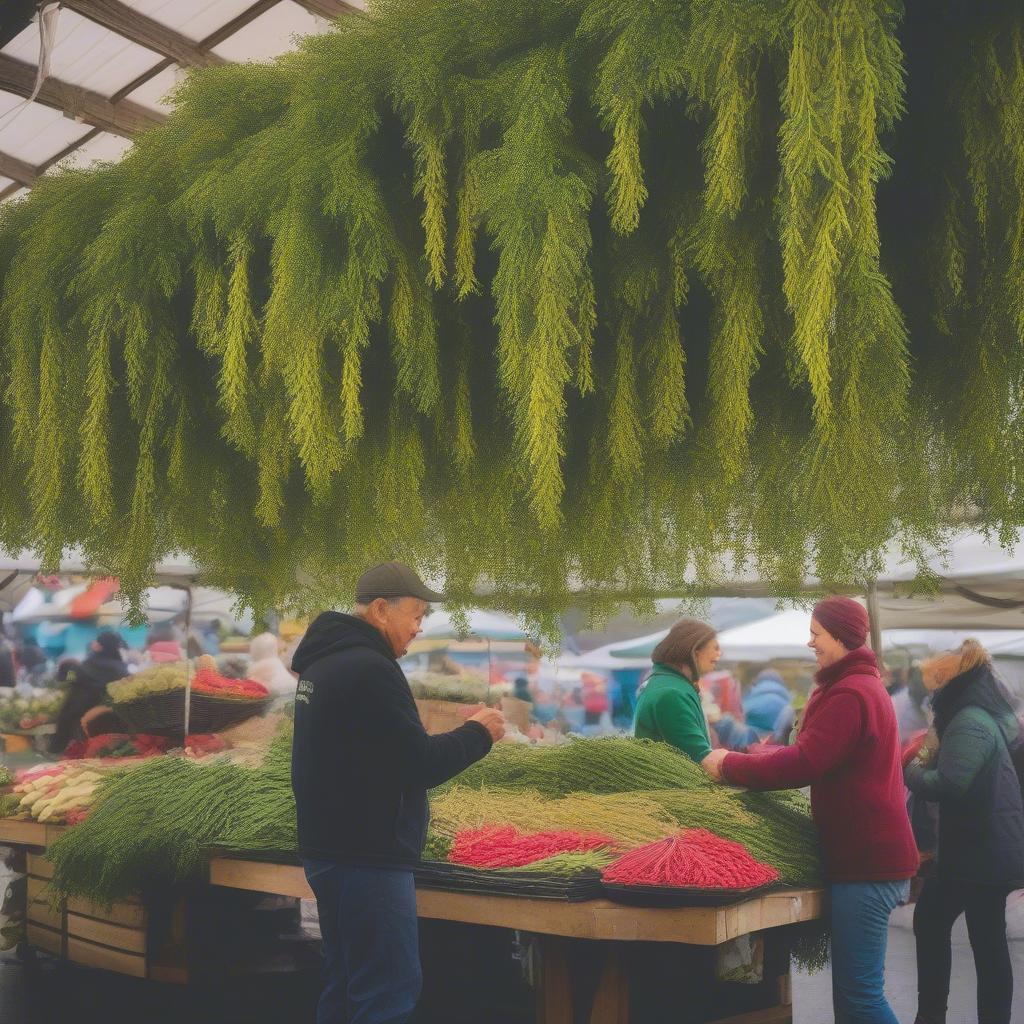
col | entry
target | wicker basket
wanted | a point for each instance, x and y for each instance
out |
(211, 714)
(158, 714)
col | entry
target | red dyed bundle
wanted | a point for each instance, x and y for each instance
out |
(693, 858)
(209, 682)
(504, 846)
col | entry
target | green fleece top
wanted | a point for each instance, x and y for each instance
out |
(669, 709)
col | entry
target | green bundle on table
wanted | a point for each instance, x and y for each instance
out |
(157, 823)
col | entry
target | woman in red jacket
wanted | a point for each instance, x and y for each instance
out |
(848, 752)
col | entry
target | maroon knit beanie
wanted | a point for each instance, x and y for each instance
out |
(845, 619)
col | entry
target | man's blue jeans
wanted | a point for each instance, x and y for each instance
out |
(370, 943)
(860, 932)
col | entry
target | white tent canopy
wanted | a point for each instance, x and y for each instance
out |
(482, 624)
(980, 583)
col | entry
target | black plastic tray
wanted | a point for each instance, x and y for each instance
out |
(586, 885)
(670, 896)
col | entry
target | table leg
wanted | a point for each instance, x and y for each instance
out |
(611, 1000)
(554, 988)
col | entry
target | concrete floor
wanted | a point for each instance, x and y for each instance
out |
(812, 994)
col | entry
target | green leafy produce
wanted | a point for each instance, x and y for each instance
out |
(22, 713)
(568, 863)
(775, 827)
(149, 681)
(5, 776)
(462, 689)
(437, 846)
(156, 824)
(9, 804)
(611, 765)
(603, 290)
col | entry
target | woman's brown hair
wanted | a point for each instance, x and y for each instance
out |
(680, 644)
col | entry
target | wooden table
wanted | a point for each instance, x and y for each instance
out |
(558, 924)
(559, 928)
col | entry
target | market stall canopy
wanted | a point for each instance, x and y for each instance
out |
(782, 636)
(979, 585)
(107, 69)
(483, 624)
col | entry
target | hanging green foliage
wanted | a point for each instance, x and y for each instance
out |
(573, 294)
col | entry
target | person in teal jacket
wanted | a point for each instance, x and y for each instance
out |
(670, 709)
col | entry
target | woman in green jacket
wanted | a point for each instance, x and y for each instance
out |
(670, 709)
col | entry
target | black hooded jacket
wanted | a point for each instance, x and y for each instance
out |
(981, 811)
(88, 688)
(361, 760)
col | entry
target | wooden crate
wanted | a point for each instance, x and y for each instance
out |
(45, 927)
(114, 938)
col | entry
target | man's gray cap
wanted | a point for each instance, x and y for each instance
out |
(392, 579)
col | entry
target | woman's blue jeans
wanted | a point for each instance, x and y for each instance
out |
(860, 932)
(370, 943)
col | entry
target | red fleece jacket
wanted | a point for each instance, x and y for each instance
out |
(848, 751)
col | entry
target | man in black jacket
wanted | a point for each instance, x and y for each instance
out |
(361, 767)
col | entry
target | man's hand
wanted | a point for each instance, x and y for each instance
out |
(712, 764)
(492, 720)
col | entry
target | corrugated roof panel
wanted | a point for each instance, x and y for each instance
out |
(34, 133)
(4, 182)
(105, 147)
(271, 34)
(151, 94)
(196, 19)
(86, 54)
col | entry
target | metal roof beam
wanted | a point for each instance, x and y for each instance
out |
(10, 190)
(21, 172)
(130, 23)
(123, 117)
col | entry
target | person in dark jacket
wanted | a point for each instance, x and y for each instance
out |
(87, 687)
(361, 767)
(981, 832)
(848, 752)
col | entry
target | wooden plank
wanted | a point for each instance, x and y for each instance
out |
(258, 876)
(40, 912)
(154, 35)
(21, 172)
(45, 938)
(596, 919)
(132, 940)
(122, 117)
(128, 915)
(88, 954)
(38, 866)
(771, 911)
(38, 889)
(53, 832)
(25, 833)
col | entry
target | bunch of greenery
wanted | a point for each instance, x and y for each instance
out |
(568, 294)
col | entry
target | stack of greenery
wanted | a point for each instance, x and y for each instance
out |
(464, 688)
(156, 823)
(531, 293)
(635, 791)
